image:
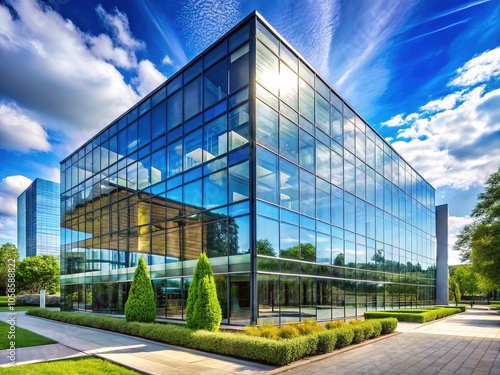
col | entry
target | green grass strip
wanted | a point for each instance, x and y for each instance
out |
(23, 337)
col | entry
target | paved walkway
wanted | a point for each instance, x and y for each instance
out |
(463, 344)
(142, 355)
(468, 343)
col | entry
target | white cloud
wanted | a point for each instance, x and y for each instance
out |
(67, 85)
(8, 230)
(19, 132)
(448, 102)
(457, 147)
(148, 77)
(396, 121)
(10, 188)
(167, 60)
(119, 26)
(102, 47)
(480, 69)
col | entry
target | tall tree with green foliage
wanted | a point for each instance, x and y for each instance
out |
(479, 242)
(203, 310)
(37, 273)
(454, 289)
(141, 305)
(9, 257)
(468, 279)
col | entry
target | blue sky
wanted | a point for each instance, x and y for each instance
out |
(424, 74)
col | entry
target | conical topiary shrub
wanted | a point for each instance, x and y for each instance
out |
(141, 305)
(203, 309)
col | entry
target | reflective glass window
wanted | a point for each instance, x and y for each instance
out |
(158, 166)
(337, 125)
(307, 193)
(306, 100)
(132, 141)
(174, 158)
(337, 169)
(267, 176)
(215, 54)
(360, 144)
(193, 152)
(307, 245)
(324, 248)
(238, 127)
(323, 161)
(215, 84)
(144, 129)
(191, 193)
(323, 200)
(267, 126)
(306, 74)
(267, 37)
(215, 190)
(192, 71)
(267, 69)
(215, 138)
(159, 120)
(239, 36)
(239, 182)
(289, 86)
(289, 241)
(174, 110)
(306, 150)
(289, 187)
(289, 139)
(360, 183)
(289, 58)
(239, 232)
(239, 69)
(323, 114)
(349, 136)
(268, 231)
(192, 98)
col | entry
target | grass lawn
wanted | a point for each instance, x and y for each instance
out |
(23, 338)
(88, 366)
(18, 308)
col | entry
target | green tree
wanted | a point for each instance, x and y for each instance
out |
(479, 242)
(9, 256)
(264, 247)
(203, 309)
(141, 305)
(37, 273)
(467, 278)
(454, 289)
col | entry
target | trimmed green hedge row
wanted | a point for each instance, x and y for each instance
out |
(417, 316)
(259, 349)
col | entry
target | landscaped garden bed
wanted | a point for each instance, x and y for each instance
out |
(282, 347)
(416, 315)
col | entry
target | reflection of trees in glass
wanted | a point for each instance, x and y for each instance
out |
(379, 259)
(264, 247)
(221, 286)
(339, 260)
(305, 251)
(222, 237)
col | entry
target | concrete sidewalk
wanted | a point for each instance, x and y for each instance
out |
(139, 354)
(463, 344)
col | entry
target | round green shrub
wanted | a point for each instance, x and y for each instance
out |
(345, 336)
(289, 331)
(377, 328)
(359, 333)
(141, 305)
(388, 325)
(335, 324)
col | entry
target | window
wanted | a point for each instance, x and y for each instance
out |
(289, 86)
(306, 150)
(306, 100)
(215, 138)
(238, 127)
(239, 182)
(267, 126)
(289, 139)
(215, 190)
(193, 152)
(174, 158)
(215, 84)
(174, 110)
(307, 193)
(192, 98)
(322, 114)
(239, 70)
(289, 187)
(267, 175)
(267, 69)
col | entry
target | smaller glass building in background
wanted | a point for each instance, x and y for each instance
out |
(38, 220)
(248, 155)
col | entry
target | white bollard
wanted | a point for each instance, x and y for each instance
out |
(42, 298)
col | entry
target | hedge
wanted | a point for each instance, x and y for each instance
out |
(417, 316)
(275, 352)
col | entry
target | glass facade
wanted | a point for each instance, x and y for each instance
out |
(38, 219)
(246, 154)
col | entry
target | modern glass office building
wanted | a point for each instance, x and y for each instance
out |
(248, 155)
(38, 219)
